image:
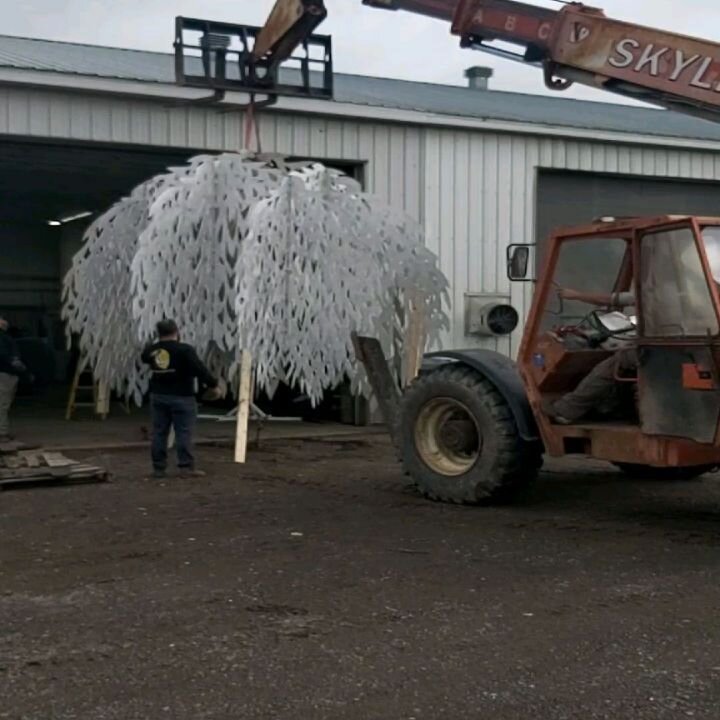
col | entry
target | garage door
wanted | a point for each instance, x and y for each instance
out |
(571, 198)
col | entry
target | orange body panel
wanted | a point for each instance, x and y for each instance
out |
(697, 378)
(560, 369)
(580, 44)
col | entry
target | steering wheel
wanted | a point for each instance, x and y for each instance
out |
(595, 321)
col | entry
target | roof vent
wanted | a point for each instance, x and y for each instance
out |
(478, 77)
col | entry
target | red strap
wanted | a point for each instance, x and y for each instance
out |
(252, 127)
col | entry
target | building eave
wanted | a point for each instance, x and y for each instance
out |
(171, 93)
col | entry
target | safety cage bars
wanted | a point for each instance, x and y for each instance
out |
(219, 56)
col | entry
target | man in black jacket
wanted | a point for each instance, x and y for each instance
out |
(11, 368)
(175, 366)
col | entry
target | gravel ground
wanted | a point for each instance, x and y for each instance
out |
(314, 583)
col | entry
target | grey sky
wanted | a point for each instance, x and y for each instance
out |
(366, 41)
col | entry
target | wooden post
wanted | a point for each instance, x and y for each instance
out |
(102, 400)
(243, 415)
(414, 338)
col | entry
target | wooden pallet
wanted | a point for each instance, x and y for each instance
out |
(22, 468)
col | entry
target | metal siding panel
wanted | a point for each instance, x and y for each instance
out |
(59, 116)
(18, 113)
(159, 126)
(612, 159)
(447, 202)
(232, 130)
(476, 192)
(696, 164)
(318, 138)
(213, 130)
(140, 124)
(546, 152)
(636, 161)
(572, 157)
(197, 132)
(39, 118)
(586, 156)
(381, 161)
(708, 162)
(349, 140)
(490, 211)
(179, 127)
(120, 119)
(597, 156)
(411, 173)
(648, 161)
(396, 167)
(301, 137)
(80, 118)
(4, 110)
(559, 153)
(674, 163)
(431, 194)
(333, 141)
(101, 120)
(461, 235)
(366, 152)
(624, 160)
(661, 162)
(284, 134)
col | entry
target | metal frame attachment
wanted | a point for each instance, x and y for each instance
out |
(221, 57)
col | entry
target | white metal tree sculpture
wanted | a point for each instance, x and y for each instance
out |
(282, 259)
(322, 260)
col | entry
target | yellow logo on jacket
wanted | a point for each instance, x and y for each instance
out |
(162, 359)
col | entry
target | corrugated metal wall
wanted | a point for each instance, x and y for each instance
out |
(474, 191)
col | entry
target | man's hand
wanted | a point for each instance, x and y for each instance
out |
(215, 393)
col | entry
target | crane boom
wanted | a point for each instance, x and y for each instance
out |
(576, 44)
(580, 44)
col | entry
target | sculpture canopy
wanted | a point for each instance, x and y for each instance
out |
(282, 259)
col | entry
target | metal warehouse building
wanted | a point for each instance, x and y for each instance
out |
(81, 125)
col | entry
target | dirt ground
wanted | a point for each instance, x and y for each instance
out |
(314, 583)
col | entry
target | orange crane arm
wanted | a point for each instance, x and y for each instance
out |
(574, 44)
(580, 44)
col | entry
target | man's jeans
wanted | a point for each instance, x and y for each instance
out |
(8, 386)
(180, 412)
(599, 388)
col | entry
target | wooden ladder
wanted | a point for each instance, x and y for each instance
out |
(86, 393)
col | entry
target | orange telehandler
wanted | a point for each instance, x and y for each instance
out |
(473, 427)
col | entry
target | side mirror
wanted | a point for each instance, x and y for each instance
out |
(518, 262)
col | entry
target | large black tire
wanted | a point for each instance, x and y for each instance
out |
(502, 464)
(647, 472)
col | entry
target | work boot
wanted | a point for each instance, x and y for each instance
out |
(548, 407)
(158, 475)
(191, 473)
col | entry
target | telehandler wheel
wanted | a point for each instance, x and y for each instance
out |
(458, 439)
(647, 472)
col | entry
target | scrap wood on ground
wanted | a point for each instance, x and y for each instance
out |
(23, 468)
